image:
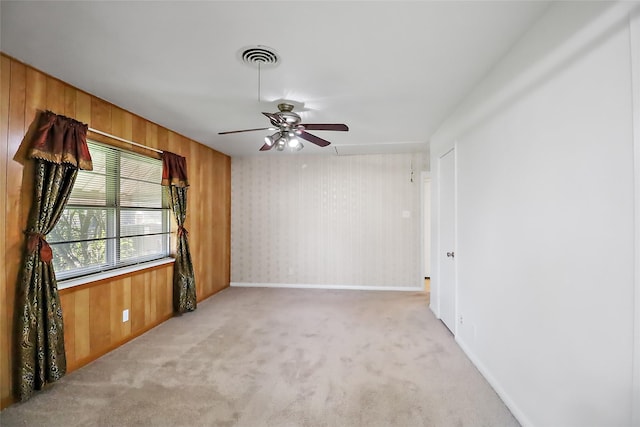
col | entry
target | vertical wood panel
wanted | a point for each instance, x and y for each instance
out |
(100, 115)
(222, 209)
(211, 178)
(152, 135)
(117, 122)
(138, 302)
(36, 96)
(173, 144)
(216, 226)
(99, 318)
(161, 295)
(214, 222)
(127, 125)
(14, 239)
(5, 84)
(83, 107)
(227, 201)
(68, 303)
(147, 301)
(194, 172)
(139, 130)
(5, 305)
(168, 288)
(219, 222)
(116, 301)
(125, 328)
(55, 95)
(82, 326)
(150, 290)
(163, 139)
(210, 233)
(70, 102)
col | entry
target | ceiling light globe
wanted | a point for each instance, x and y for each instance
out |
(270, 140)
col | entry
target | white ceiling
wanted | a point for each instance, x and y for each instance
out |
(390, 70)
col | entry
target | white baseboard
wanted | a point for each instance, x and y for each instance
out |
(343, 287)
(515, 410)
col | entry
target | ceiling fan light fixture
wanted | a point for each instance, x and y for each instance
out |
(282, 142)
(271, 139)
(298, 146)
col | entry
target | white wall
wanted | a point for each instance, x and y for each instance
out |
(545, 220)
(326, 220)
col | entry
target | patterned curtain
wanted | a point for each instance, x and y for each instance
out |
(59, 148)
(174, 176)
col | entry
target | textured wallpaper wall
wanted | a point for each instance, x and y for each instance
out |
(326, 220)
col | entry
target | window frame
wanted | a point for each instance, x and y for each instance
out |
(113, 265)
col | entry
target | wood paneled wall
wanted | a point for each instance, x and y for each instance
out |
(93, 312)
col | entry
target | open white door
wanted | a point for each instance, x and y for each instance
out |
(446, 244)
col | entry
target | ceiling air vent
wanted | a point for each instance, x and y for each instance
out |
(259, 56)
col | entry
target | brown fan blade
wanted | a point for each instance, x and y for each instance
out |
(312, 138)
(325, 126)
(266, 147)
(238, 131)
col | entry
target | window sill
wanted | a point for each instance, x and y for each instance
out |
(70, 283)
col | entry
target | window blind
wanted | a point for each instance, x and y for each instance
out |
(117, 215)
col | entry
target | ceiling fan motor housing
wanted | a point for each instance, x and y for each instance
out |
(289, 119)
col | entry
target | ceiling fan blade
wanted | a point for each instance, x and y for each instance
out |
(238, 131)
(267, 147)
(312, 138)
(325, 126)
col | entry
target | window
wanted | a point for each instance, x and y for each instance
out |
(117, 216)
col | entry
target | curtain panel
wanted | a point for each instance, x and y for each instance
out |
(174, 177)
(59, 149)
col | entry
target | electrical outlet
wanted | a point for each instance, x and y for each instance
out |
(125, 315)
(461, 320)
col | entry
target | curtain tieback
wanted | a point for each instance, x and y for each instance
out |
(37, 240)
(182, 231)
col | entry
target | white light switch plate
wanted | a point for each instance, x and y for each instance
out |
(125, 315)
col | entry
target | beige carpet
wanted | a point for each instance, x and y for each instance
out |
(279, 357)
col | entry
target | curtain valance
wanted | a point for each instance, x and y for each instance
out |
(174, 170)
(59, 139)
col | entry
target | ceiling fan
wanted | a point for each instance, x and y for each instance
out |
(288, 127)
